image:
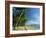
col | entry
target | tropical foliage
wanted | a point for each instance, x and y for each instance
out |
(19, 18)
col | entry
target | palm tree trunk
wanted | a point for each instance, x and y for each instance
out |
(19, 18)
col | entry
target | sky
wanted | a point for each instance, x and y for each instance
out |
(32, 15)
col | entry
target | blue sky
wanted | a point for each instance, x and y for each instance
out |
(32, 15)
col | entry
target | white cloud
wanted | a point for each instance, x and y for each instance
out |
(31, 22)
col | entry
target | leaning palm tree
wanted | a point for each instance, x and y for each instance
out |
(20, 21)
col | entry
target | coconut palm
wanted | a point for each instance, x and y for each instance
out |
(19, 18)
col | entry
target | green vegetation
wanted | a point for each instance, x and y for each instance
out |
(19, 19)
(24, 28)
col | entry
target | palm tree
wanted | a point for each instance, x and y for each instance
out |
(19, 19)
